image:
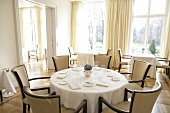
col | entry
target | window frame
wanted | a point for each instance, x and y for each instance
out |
(149, 16)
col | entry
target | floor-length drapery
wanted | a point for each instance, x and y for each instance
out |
(118, 25)
(31, 30)
(166, 47)
(74, 23)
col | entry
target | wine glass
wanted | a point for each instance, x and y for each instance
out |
(96, 63)
(103, 66)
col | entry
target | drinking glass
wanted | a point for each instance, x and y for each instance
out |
(103, 66)
(96, 63)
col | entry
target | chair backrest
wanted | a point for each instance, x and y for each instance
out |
(140, 70)
(144, 100)
(103, 60)
(34, 48)
(120, 54)
(71, 50)
(21, 76)
(109, 52)
(42, 103)
(61, 62)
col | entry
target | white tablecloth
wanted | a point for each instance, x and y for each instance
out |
(114, 93)
(5, 82)
(148, 58)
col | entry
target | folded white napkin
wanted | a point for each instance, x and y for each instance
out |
(64, 82)
(88, 84)
(110, 75)
(115, 79)
(62, 72)
(102, 84)
(74, 86)
(62, 76)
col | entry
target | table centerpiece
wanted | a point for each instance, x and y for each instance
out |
(87, 70)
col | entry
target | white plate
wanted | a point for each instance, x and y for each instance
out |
(88, 84)
(116, 79)
(62, 72)
(63, 82)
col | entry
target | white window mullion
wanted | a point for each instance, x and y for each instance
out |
(147, 25)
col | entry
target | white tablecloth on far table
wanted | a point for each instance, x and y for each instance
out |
(114, 93)
(5, 82)
(85, 58)
(147, 58)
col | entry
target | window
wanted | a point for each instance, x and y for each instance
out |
(148, 24)
(92, 25)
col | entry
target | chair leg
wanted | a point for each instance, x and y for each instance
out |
(24, 108)
(1, 95)
(119, 67)
(28, 58)
(37, 58)
(48, 90)
(99, 105)
(28, 107)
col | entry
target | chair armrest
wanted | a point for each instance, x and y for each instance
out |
(102, 100)
(40, 88)
(125, 73)
(126, 94)
(83, 106)
(52, 93)
(134, 81)
(126, 56)
(39, 78)
(161, 58)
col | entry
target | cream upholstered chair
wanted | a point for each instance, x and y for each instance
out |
(61, 62)
(123, 59)
(142, 101)
(73, 55)
(1, 95)
(49, 103)
(33, 52)
(103, 60)
(109, 50)
(21, 76)
(139, 73)
(165, 63)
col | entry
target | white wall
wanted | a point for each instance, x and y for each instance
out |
(63, 25)
(8, 46)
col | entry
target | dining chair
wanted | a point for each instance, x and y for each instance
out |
(22, 78)
(109, 50)
(73, 55)
(61, 62)
(165, 64)
(138, 74)
(142, 101)
(123, 59)
(50, 103)
(33, 52)
(103, 60)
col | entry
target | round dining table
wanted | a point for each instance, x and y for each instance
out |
(73, 87)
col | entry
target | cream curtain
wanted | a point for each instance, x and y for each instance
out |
(74, 23)
(118, 25)
(166, 48)
(33, 30)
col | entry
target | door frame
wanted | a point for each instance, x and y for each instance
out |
(17, 26)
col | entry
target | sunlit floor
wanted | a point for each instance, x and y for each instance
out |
(14, 104)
